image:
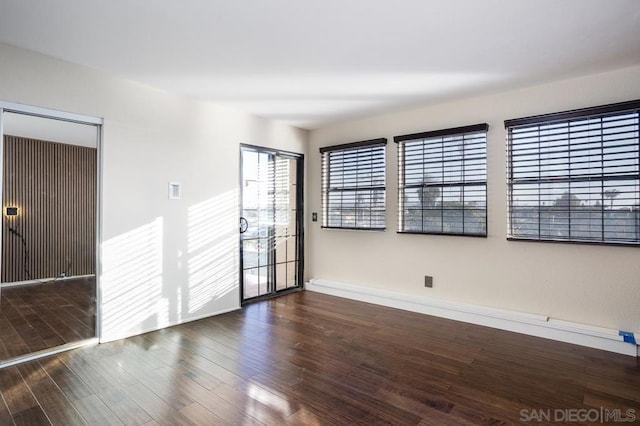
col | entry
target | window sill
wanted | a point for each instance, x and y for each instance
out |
(343, 228)
(443, 233)
(590, 243)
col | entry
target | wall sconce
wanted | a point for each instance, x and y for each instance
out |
(11, 211)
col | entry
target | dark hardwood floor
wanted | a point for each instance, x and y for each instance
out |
(313, 359)
(36, 317)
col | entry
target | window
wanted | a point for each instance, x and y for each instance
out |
(442, 181)
(575, 175)
(353, 185)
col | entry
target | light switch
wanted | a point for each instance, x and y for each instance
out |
(175, 190)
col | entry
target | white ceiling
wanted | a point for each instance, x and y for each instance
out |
(310, 62)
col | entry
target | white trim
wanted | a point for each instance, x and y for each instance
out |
(519, 322)
(47, 352)
(99, 236)
(126, 335)
(49, 113)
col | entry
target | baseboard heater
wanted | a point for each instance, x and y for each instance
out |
(623, 342)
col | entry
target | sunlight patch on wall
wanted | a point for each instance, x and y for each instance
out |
(131, 281)
(213, 250)
(211, 219)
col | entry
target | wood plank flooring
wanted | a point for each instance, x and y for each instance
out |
(36, 317)
(312, 359)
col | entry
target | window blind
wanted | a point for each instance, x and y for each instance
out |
(442, 181)
(575, 175)
(353, 185)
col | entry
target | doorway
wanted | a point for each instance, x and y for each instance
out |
(271, 222)
(49, 231)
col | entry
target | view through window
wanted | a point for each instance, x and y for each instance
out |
(353, 185)
(442, 187)
(575, 176)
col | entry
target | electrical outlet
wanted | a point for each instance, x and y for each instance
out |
(428, 281)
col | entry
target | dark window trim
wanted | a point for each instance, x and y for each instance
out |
(369, 143)
(353, 228)
(482, 127)
(583, 242)
(371, 188)
(326, 151)
(628, 107)
(446, 234)
(454, 131)
(574, 113)
(300, 224)
(274, 151)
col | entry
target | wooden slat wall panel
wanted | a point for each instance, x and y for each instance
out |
(54, 185)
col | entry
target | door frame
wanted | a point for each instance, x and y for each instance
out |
(24, 109)
(299, 220)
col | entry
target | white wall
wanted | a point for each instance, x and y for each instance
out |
(597, 285)
(164, 261)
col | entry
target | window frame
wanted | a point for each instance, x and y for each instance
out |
(462, 183)
(326, 172)
(591, 113)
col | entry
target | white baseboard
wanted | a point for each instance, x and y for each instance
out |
(119, 336)
(519, 322)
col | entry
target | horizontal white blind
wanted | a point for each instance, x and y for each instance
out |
(443, 181)
(353, 186)
(576, 178)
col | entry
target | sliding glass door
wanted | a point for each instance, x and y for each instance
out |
(271, 237)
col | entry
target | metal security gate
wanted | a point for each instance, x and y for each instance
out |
(271, 231)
